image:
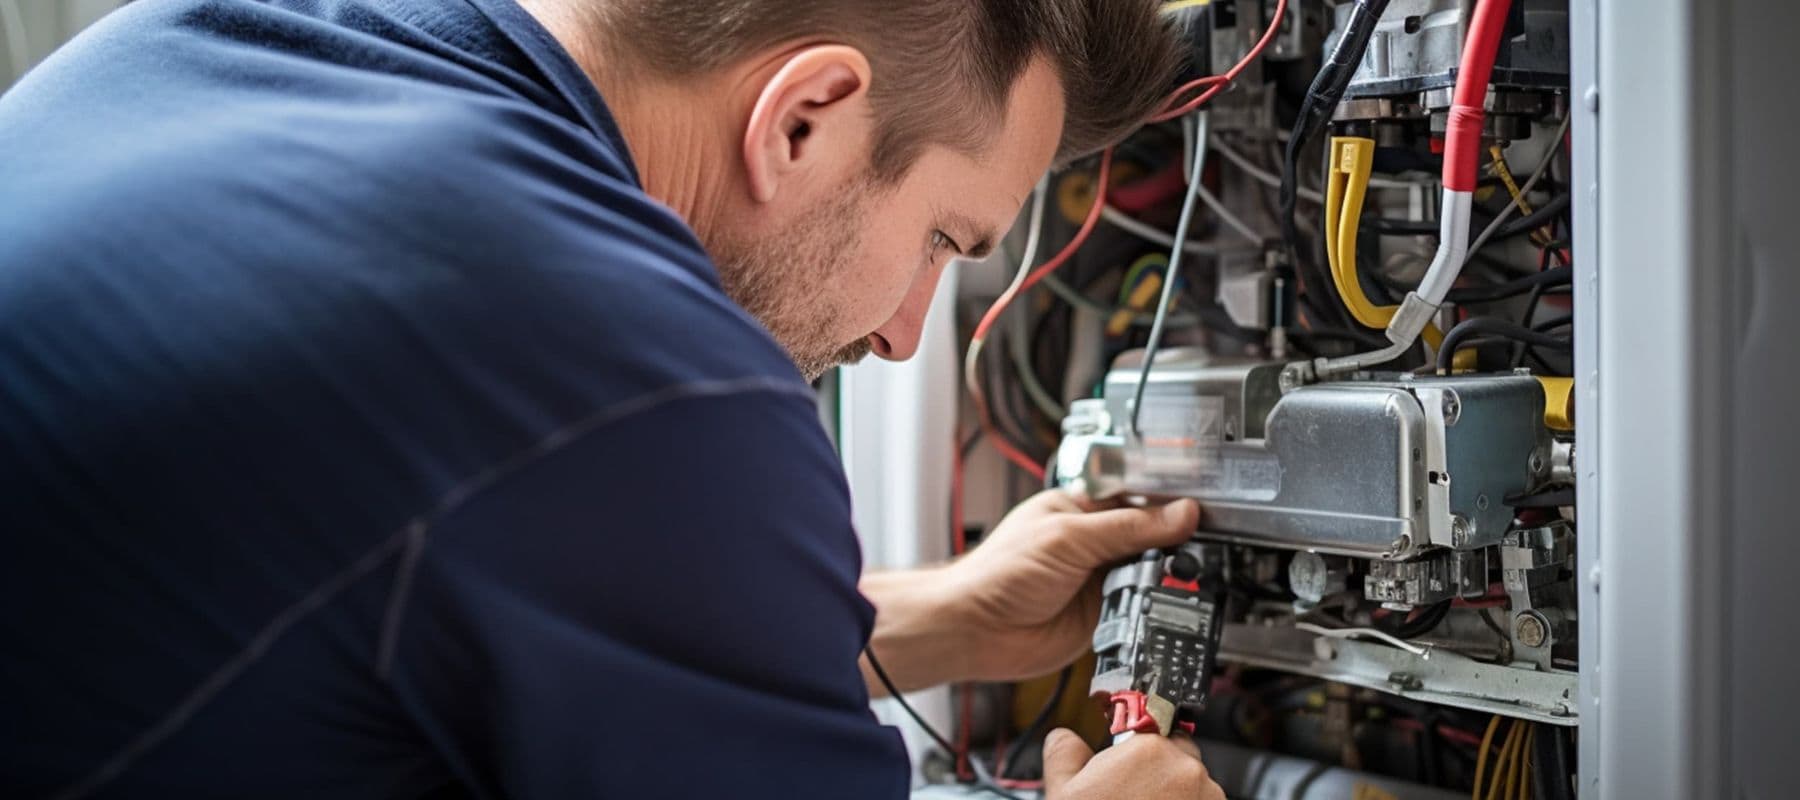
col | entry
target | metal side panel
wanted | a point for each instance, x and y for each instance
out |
(1584, 105)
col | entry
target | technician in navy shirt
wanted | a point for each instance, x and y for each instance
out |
(383, 416)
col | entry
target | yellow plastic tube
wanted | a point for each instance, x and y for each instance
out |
(1346, 187)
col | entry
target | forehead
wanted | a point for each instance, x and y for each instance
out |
(991, 185)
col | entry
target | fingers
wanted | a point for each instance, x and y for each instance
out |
(1185, 744)
(1103, 537)
(1064, 756)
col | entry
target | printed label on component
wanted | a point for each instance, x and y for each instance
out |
(1182, 450)
(1178, 442)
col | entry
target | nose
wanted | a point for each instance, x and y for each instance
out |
(895, 342)
(898, 338)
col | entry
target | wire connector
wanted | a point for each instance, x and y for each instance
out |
(1415, 313)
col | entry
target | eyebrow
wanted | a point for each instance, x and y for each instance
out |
(969, 229)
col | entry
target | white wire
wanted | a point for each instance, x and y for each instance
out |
(1018, 345)
(1073, 297)
(1362, 633)
(18, 48)
(1034, 235)
(1232, 220)
(1173, 273)
(1263, 176)
(1150, 233)
(1543, 168)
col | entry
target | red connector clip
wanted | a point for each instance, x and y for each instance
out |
(1129, 713)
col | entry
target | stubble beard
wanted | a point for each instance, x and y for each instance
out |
(785, 281)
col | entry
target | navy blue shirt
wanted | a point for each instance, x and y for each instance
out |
(366, 431)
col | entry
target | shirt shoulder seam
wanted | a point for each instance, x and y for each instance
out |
(409, 543)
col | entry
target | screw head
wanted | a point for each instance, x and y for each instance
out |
(1530, 629)
(1459, 531)
(1452, 408)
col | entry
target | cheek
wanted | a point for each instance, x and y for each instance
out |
(888, 263)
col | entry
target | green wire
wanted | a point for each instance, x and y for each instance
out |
(1138, 268)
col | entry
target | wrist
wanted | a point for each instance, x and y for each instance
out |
(923, 633)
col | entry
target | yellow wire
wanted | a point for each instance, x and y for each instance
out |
(1512, 764)
(1505, 174)
(1346, 188)
(1505, 759)
(1525, 762)
(1506, 178)
(1481, 755)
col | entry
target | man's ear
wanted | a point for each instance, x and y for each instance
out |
(813, 113)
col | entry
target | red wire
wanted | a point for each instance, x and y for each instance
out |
(958, 544)
(1453, 734)
(1006, 448)
(1219, 83)
(1462, 131)
(1081, 235)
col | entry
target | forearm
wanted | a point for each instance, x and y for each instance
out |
(922, 636)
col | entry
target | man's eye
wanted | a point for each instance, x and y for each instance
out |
(939, 241)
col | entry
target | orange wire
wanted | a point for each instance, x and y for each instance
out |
(1219, 83)
(1215, 84)
(983, 413)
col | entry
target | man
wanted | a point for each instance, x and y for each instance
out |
(382, 416)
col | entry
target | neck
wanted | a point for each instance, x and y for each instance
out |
(671, 128)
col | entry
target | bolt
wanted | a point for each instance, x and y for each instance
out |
(1530, 630)
(1592, 98)
(1406, 681)
(1537, 463)
(1481, 502)
(1452, 408)
(1459, 531)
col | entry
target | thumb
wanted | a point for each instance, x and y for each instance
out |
(1064, 756)
(1102, 537)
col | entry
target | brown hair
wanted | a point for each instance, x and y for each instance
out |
(943, 69)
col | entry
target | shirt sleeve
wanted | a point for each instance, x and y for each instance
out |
(664, 606)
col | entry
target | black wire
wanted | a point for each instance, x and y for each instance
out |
(1555, 276)
(1426, 620)
(1555, 498)
(1550, 766)
(1553, 324)
(1531, 307)
(1538, 218)
(1493, 326)
(1316, 109)
(894, 692)
(1032, 730)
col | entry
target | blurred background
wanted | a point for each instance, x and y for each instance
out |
(30, 29)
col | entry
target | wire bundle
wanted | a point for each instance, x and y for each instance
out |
(1462, 146)
(1511, 778)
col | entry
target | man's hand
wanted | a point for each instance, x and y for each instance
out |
(1031, 590)
(1143, 766)
(1024, 602)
